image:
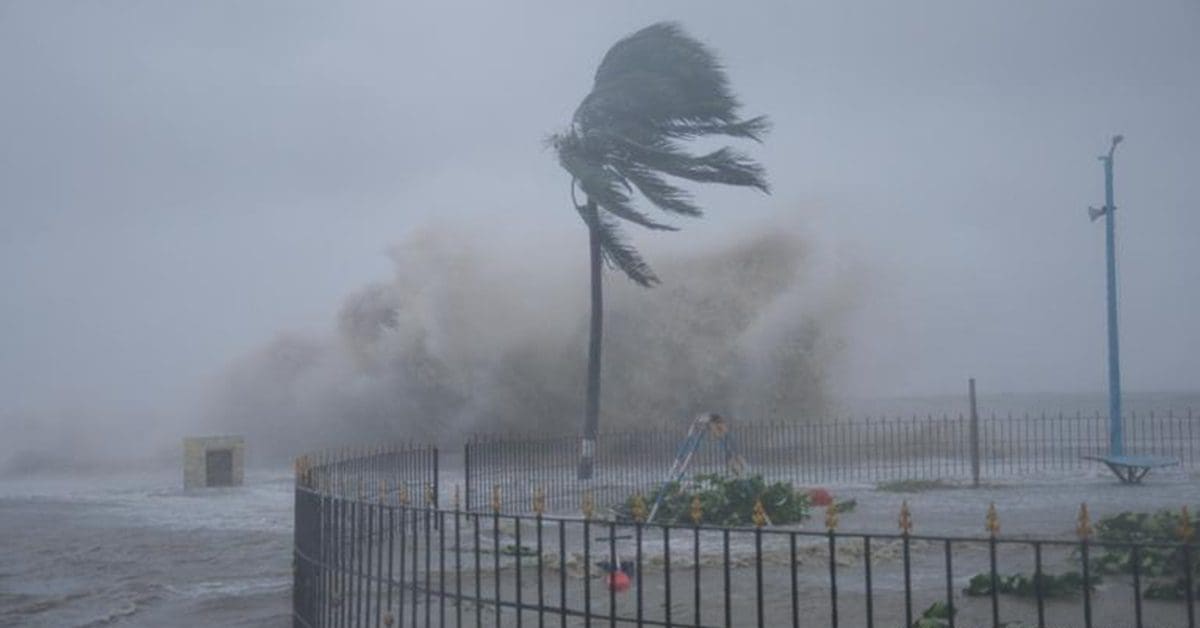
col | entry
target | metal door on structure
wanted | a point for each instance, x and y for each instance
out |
(218, 467)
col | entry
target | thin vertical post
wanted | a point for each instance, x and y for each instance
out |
(949, 584)
(467, 474)
(725, 569)
(562, 573)
(696, 571)
(666, 530)
(1136, 562)
(403, 593)
(478, 585)
(1116, 439)
(833, 590)
(517, 569)
(758, 578)
(994, 581)
(416, 566)
(1037, 584)
(974, 436)
(792, 570)
(867, 575)
(587, 571)
(495, 562)
(1189, 585)
(458, 593)
(541, 586)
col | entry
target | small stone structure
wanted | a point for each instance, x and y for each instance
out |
(213, 461)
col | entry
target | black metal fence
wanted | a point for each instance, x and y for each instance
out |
(371, 550)
(334, 538)
(919, 448)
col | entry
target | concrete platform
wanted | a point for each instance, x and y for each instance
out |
(213, 461)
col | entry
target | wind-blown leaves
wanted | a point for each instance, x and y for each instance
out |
(653, 91)
(620, 254)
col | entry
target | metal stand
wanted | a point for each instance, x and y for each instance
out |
(705, 426)
(1131, 469)
(1128, 469)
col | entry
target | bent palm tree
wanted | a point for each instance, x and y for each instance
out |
(654, 90)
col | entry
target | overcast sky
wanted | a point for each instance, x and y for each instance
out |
(181, 181)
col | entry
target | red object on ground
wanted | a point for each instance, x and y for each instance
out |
(820, 497)
(618, 581)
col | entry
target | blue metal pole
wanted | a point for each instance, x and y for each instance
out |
(1116, 444)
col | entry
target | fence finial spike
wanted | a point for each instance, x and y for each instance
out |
(697, 510)
(760, 514)
(993, 520)
(831, 517)
(1084, 526)
(539, 501)
(1187, 533)
(588, 504)
(905, 518)
(496, 498)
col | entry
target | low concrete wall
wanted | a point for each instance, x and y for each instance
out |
(195, 459)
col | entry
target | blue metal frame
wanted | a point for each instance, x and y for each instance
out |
(1129, 469)
(1116, 437)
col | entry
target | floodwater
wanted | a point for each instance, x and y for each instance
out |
(139, 551)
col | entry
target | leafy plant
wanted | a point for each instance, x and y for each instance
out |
(938, 615)
(1168, 590)
(1021, 585)
(1162, 565)
(518, 550)
(725, 500)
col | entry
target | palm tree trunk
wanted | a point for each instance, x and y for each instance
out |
(591, 418)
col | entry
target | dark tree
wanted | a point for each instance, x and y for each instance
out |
(654, 91)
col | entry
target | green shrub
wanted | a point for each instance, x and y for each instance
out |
(1163, 567)
(936, 616)
(724, 500)
(1021, 585)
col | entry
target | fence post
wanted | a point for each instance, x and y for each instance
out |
(974, 436)
(467, 474)
(437, 485)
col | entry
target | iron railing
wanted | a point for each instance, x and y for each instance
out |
(373, 550)
(917, 448)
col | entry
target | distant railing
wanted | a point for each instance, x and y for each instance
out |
(375, 546)
(917, 448)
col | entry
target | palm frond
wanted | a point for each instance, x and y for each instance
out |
(607, 188)
(724, 165)
(619, 254)
(663, 195)
(653, 91)
(752, 129)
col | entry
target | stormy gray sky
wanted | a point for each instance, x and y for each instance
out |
(180, 181)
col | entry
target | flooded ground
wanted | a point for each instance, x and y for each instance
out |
(139, 551)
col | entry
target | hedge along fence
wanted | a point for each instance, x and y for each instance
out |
(379, 552)
(919, 448)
